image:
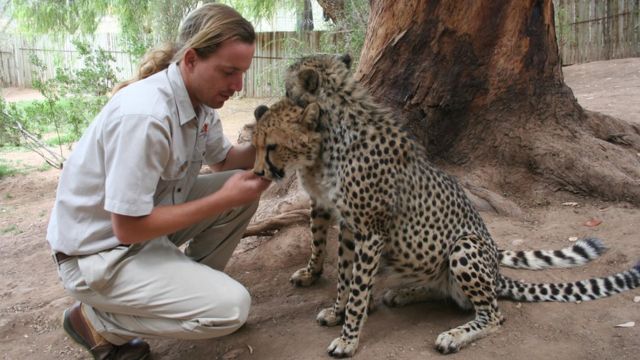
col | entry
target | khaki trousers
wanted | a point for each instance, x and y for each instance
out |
(153, 289)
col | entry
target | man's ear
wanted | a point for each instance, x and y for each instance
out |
(346, 59)
(189, 58)
(259, 111)
(310, 80)
(310, 115)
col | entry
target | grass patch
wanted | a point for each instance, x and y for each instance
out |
(66, 138)
(7, 169)
(13, 228)
(11, 168)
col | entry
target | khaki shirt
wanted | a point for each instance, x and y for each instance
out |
(144, 149)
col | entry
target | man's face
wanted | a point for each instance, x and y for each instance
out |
(213, 80)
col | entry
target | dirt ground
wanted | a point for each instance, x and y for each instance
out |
(282, 321)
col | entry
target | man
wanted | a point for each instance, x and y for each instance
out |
(130, 195)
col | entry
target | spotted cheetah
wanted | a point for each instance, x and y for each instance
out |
(363, 170)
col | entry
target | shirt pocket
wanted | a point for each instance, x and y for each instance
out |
(173, 174)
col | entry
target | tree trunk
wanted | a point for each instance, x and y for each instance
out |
(480, 84)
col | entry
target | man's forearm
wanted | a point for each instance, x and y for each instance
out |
(165, 220)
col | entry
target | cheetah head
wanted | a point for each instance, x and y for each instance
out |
(285, 138)
(309, 79)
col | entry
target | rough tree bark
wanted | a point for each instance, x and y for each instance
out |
(480, 84)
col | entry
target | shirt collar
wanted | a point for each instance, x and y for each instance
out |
(186, 112)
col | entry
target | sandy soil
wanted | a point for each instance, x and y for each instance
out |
(282, 325)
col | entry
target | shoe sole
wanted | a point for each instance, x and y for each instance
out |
(66, 325)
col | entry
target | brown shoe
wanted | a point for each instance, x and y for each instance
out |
(80, 330)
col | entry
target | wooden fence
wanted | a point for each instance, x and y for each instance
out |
(17, 69)
(591, 30)
(274, 50)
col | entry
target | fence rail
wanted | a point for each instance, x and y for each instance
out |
(587, 30)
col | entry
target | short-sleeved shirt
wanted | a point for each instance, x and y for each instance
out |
(144, 149)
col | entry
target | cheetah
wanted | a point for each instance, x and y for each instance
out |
(364, 171)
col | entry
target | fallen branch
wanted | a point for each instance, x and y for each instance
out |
(271, 225)
(34, 144)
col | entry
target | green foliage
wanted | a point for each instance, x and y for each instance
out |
(143, 23)
(7, 170)
(72, 99)
(54, 17)
(8, 133)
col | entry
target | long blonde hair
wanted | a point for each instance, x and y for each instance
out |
(203, 30)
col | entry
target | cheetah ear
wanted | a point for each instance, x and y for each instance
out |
(310, 80)
(311, 115)
(259, 111)
(346, 59)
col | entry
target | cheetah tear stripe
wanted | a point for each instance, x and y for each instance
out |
(583, 290)
(582, 252)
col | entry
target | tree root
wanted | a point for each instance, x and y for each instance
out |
(590, 166)
(486, 200)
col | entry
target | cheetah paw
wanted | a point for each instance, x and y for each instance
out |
(446, 343)
(303, 278)
(340, 348)
(329, 317)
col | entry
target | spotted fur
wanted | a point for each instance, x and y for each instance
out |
(362, 170)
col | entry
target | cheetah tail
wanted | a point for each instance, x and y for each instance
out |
(583, 290)
(580, 253)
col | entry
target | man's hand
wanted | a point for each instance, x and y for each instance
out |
(243, 188)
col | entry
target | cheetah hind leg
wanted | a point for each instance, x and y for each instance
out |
(473, 266)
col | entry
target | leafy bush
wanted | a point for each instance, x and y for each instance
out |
(8, 133)
(72, 99)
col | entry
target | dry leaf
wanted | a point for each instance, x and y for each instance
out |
(570, 203)
(636, 299)
(593, 222)
(573, 239)
(629, 324)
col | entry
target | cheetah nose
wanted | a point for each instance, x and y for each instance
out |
(259, 173)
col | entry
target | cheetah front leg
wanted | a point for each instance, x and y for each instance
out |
(473, 270)
(320, 223)
(334, 315)
(366, 258)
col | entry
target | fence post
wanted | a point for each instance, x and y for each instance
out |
(16, 63)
